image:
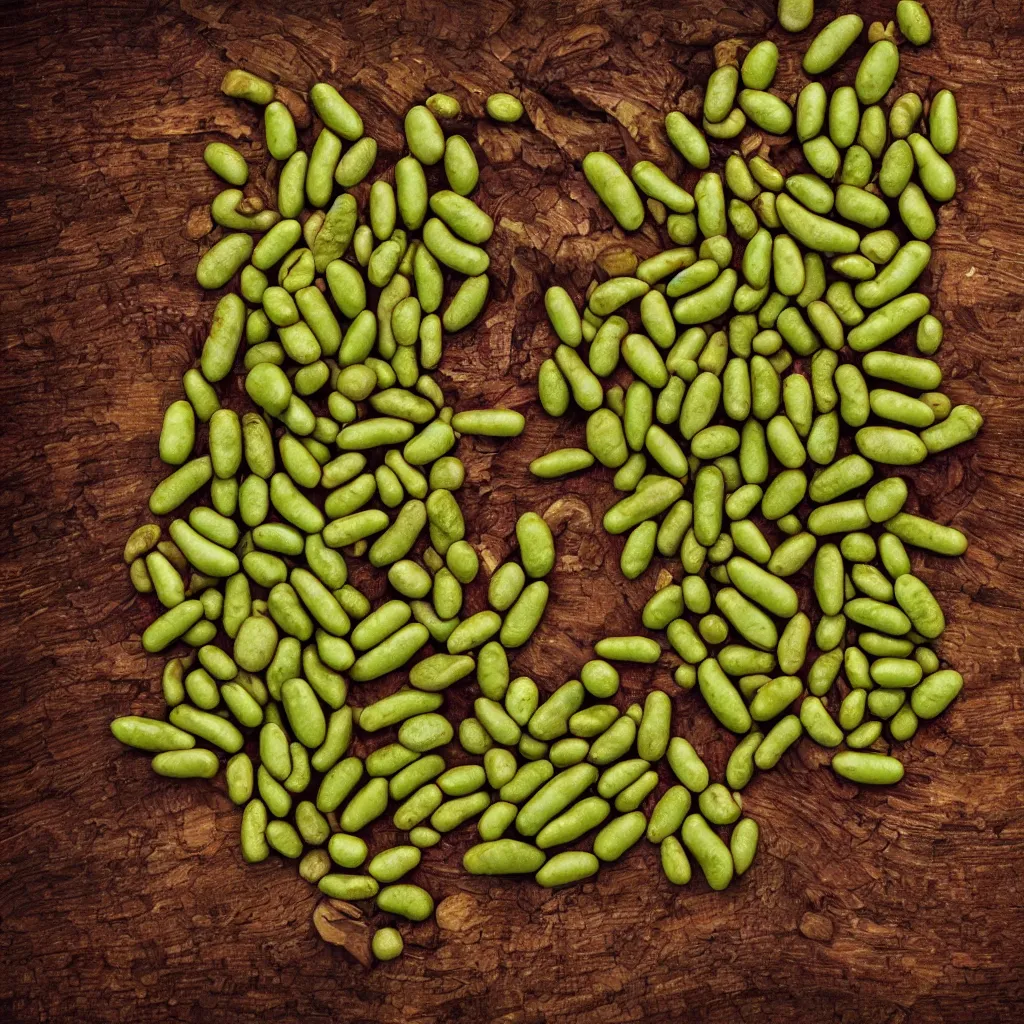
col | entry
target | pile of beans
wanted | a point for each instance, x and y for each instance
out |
(748, 377)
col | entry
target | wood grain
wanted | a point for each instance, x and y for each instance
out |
(123, 897)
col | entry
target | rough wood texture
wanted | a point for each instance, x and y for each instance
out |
(124, 896)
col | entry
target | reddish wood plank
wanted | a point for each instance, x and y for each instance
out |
(124, 896)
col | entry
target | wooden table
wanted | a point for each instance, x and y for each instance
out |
(124, 896)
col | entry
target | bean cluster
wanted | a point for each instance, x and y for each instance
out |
(754, 424)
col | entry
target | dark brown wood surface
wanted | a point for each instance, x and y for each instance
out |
(123, 897)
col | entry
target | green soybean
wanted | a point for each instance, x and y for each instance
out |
(503, 857)
(687, 139)
(867, 768)
(710, 852)
(614, 189)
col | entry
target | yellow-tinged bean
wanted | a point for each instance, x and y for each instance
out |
(142, 540)
(442, 105)
(914, 22)
(504, 107)
(387, 943)
(247, 86)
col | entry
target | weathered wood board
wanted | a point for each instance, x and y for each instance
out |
(123, 897)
